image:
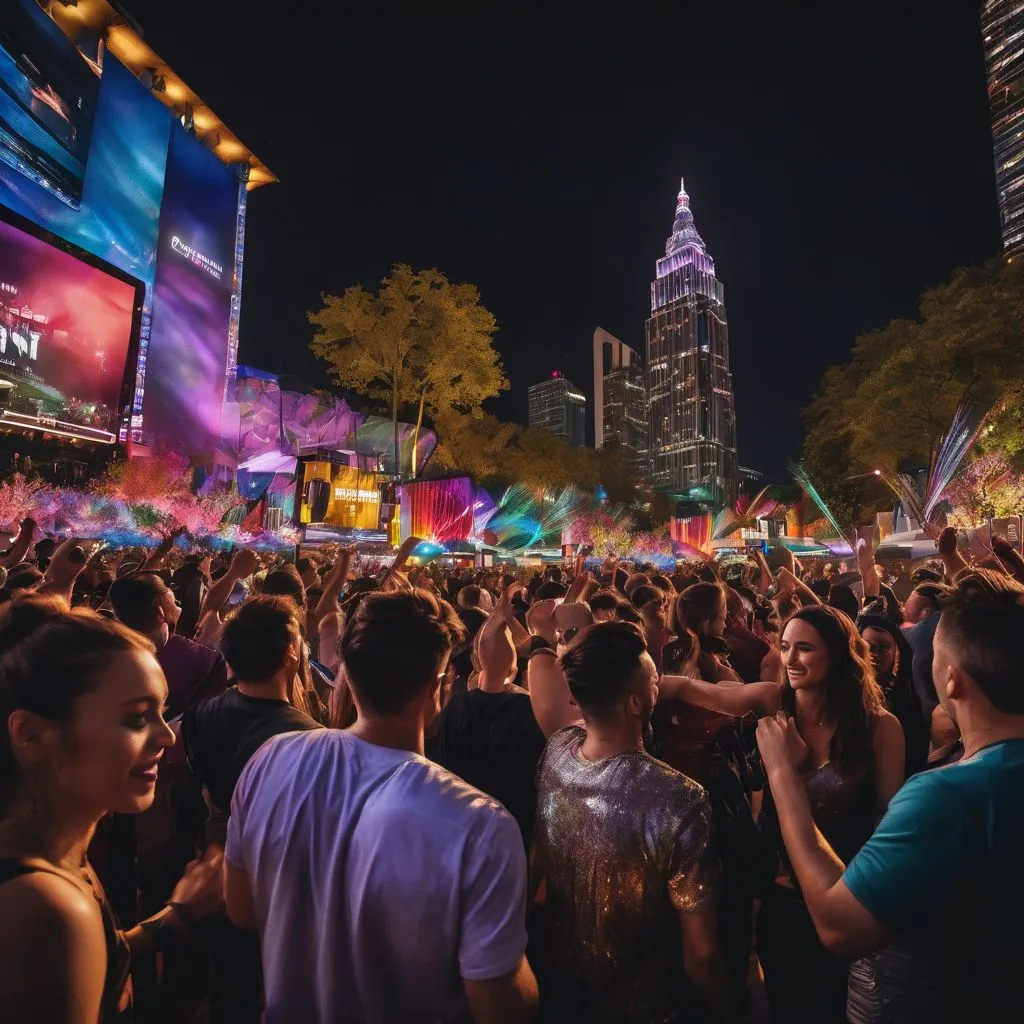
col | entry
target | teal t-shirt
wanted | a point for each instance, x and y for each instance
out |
(946, 863)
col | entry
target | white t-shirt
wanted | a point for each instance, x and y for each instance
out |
(380, 880)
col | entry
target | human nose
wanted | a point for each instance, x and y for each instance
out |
(164, 736)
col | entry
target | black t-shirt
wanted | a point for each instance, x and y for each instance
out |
(493, 742)
(220, 735)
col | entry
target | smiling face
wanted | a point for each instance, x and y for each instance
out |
(107, 757)
(804, 655)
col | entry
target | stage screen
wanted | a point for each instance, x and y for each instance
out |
(192, 297)
(68, 325)
(438, 510)
(48, 99)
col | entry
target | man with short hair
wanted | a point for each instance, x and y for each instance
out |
(942, 869)
(145, 603)
(261, 644)
(383, 887)
(922, 602)
(624, 850)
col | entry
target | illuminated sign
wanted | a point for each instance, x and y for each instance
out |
(355, 494)
(212, 267)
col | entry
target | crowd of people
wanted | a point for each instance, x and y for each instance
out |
(237, 788)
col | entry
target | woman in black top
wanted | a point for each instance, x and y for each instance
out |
(81, 735)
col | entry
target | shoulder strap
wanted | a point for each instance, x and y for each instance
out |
(17, 867)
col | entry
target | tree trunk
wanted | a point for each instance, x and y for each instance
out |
(394, 426)
(416, 432)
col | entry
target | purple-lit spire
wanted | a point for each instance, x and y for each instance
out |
(684, 234)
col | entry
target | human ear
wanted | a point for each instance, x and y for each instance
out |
(30, 736)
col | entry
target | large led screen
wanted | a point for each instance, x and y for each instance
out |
(47, 101)
(192, 297)
(68, 326)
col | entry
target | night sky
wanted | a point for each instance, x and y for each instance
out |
(838, 163)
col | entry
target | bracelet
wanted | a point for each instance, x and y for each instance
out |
(541, 650)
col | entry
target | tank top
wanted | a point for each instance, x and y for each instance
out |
(116, 1003)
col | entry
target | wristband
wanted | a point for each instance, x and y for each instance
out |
(539, 643)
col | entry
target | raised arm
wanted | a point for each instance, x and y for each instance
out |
(243, 564)
(790, 584)
(952, 560)
(549, 692)
(1009, 557)
(161, 551)
(22, 542)
(332, 585)
(730, 698)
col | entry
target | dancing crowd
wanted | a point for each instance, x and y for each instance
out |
(236, 788)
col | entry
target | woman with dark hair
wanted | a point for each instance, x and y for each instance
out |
(81, 735)
(849, 750)
(892, 660)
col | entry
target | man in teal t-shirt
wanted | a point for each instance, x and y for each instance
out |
(943, 867)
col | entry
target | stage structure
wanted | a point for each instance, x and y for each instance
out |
(316, 462)
(123, 198)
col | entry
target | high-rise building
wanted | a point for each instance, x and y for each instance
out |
(692, 415)
(620, 400)
(558, 405)
(1002, 28)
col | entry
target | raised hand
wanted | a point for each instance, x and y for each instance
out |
(244, 563)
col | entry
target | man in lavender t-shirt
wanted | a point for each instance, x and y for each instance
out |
(384, 888)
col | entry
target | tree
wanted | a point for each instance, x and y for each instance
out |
(895, 398)
(420, 339)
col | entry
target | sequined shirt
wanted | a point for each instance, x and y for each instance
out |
(622, 844)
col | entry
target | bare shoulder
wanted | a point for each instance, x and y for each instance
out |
(887, 731)
(52, 950)
(47, 907)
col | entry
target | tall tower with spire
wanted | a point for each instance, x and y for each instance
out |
(692, 412)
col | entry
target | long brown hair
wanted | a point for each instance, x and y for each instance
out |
(853, 698)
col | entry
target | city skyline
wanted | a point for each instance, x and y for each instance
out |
(1002, 26)
(820, 174)
(557, 405)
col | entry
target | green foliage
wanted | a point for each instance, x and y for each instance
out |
(420, 341)
(892, 402)
(499, 454)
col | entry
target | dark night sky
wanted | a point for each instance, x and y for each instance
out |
(838, 164)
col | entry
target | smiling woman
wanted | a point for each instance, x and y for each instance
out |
(81, 734)
(849, 752)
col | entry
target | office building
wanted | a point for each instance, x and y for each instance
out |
(1002, 29)
(556, 404)
(692, 415)
(620, 400)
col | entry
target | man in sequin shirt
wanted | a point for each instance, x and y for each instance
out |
(624, 855)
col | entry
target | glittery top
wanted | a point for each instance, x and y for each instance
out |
(623, 845)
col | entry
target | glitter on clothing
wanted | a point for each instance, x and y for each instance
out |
(623, 844)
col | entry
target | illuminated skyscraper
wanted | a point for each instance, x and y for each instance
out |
(1002, 27)
(692, 416)
(620, 400)
(559, 406)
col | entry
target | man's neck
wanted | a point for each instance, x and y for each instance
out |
(606, 739)
(273, 689)
(985, 734)
(399, 732)
(158, 639)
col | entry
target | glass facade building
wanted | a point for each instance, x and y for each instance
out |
(1002, 28)
(558, 405)
(620, 401)
(692, 414)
